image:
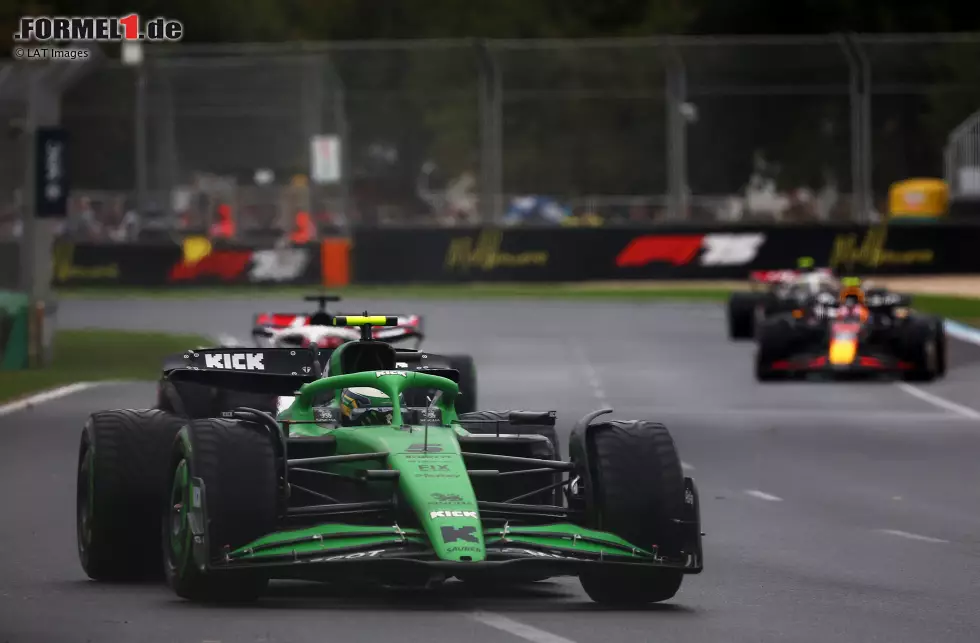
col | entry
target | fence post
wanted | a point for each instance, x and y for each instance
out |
(43, 110)
(343, 133)
(857, 125)
(133, 57)
(676, 97)
(491, 134)
(867, 129)
(44, 88)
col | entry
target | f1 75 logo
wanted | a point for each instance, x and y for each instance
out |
(235, 361)
(447, 497)
(720, 249)
(455, 534)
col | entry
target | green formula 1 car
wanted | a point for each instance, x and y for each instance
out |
(348, 483)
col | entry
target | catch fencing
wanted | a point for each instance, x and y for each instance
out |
(450, 132)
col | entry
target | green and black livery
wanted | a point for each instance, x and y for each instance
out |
(413, 495)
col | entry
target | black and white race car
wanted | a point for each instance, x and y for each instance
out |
(317, 329)
(773, 292)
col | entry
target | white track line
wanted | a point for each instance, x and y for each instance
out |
(762, 495)
(687, 467)
(939, 402)
(845, 414)
(911, 536)
(518, 629)
(962, 332)
(46, 396)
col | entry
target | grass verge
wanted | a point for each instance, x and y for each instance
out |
(94, 355)
(710, 291)
(964, 309)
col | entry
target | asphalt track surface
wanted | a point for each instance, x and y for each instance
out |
(833, 512)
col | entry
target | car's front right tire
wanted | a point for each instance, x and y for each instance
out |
(638, 492)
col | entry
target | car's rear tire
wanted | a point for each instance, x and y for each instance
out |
(121, 486)
(236, 462)
(464, 364)
(741, 315)
(638, 492)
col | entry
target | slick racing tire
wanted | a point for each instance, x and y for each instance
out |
(774, 342)
(924, 345)
(638, 494)
(236, 462)
(121, 487)
(741, 315)
(467, 401)
(942, 348)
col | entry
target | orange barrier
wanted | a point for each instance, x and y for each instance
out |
(335, 261)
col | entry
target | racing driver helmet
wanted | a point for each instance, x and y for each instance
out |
(851, 292)
(363, 405)
(805, 265)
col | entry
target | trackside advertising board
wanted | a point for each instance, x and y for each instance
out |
(582, 254)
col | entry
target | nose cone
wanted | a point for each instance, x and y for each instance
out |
(437, 485)
(842, 352)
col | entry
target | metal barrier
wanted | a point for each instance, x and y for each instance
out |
(444, 132)
(962, 156)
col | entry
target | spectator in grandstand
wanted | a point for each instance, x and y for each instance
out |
(535, 210)
(303, 229)
(83, 224)
(224, 227)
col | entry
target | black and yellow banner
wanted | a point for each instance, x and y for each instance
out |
(554, 254)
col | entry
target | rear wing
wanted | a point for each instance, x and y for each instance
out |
(425, 362)
(404, 326)
(275, 371)
(779, 276)
(279, 321)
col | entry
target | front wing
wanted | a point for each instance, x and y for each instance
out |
(553, 550)
(866, 362)
(326, 551)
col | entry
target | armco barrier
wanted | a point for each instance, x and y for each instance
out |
(584, 254)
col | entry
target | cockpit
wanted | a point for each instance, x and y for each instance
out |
(365, 406)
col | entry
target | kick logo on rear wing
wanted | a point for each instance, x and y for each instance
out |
(235, 361)
(272, 361)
